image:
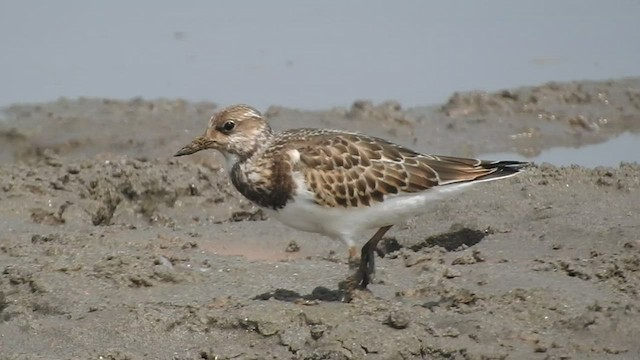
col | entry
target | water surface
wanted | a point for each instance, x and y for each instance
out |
(623, 148)
(311, 55)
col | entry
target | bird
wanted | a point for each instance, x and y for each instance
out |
(336, 183)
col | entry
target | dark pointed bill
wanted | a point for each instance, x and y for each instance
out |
(196, 145)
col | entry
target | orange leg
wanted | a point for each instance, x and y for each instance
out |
(354, 257)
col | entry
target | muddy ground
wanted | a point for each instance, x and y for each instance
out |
(112, 249)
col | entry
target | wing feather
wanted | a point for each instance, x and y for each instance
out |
(349, 170)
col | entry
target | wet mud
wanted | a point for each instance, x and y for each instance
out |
(110, 248)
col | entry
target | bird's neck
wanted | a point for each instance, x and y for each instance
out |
(244, 155)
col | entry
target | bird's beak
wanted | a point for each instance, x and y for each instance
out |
(199, 143)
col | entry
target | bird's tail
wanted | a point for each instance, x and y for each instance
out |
(501, 169)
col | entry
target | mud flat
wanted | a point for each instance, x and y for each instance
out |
(110, 248)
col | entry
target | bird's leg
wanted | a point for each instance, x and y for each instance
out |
(367, 257)
(354, 260)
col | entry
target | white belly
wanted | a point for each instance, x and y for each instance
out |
(344, 223)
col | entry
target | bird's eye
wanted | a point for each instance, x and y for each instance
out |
(228, 126)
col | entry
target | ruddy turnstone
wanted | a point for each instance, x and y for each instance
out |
(337, 183)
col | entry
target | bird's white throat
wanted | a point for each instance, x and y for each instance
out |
(230, 160)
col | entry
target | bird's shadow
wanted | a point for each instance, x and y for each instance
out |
(456, 239)
(320, 293)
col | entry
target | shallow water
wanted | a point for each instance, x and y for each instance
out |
(313, 56)
(317, 56)
(623, 148)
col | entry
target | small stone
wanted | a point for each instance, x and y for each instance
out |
(189, 245)
(398, 319)
(539, 348)
(73, 169)
(477, 256)
(451, 332)
(317, 331)
(292, 247)
(56, 185)
(451, 273)
(413, 260)
(464, 260)
(267, 328)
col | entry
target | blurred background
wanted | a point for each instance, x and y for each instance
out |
(311, 57)
(318, 56)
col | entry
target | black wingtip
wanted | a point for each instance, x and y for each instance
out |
(502, 169)
(511, 164)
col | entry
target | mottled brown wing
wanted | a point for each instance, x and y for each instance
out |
(349, 170)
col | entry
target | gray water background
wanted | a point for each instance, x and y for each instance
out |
(308, 55)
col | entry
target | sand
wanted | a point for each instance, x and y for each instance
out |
(110, 248)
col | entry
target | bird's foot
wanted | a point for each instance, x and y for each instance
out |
(352, 287)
